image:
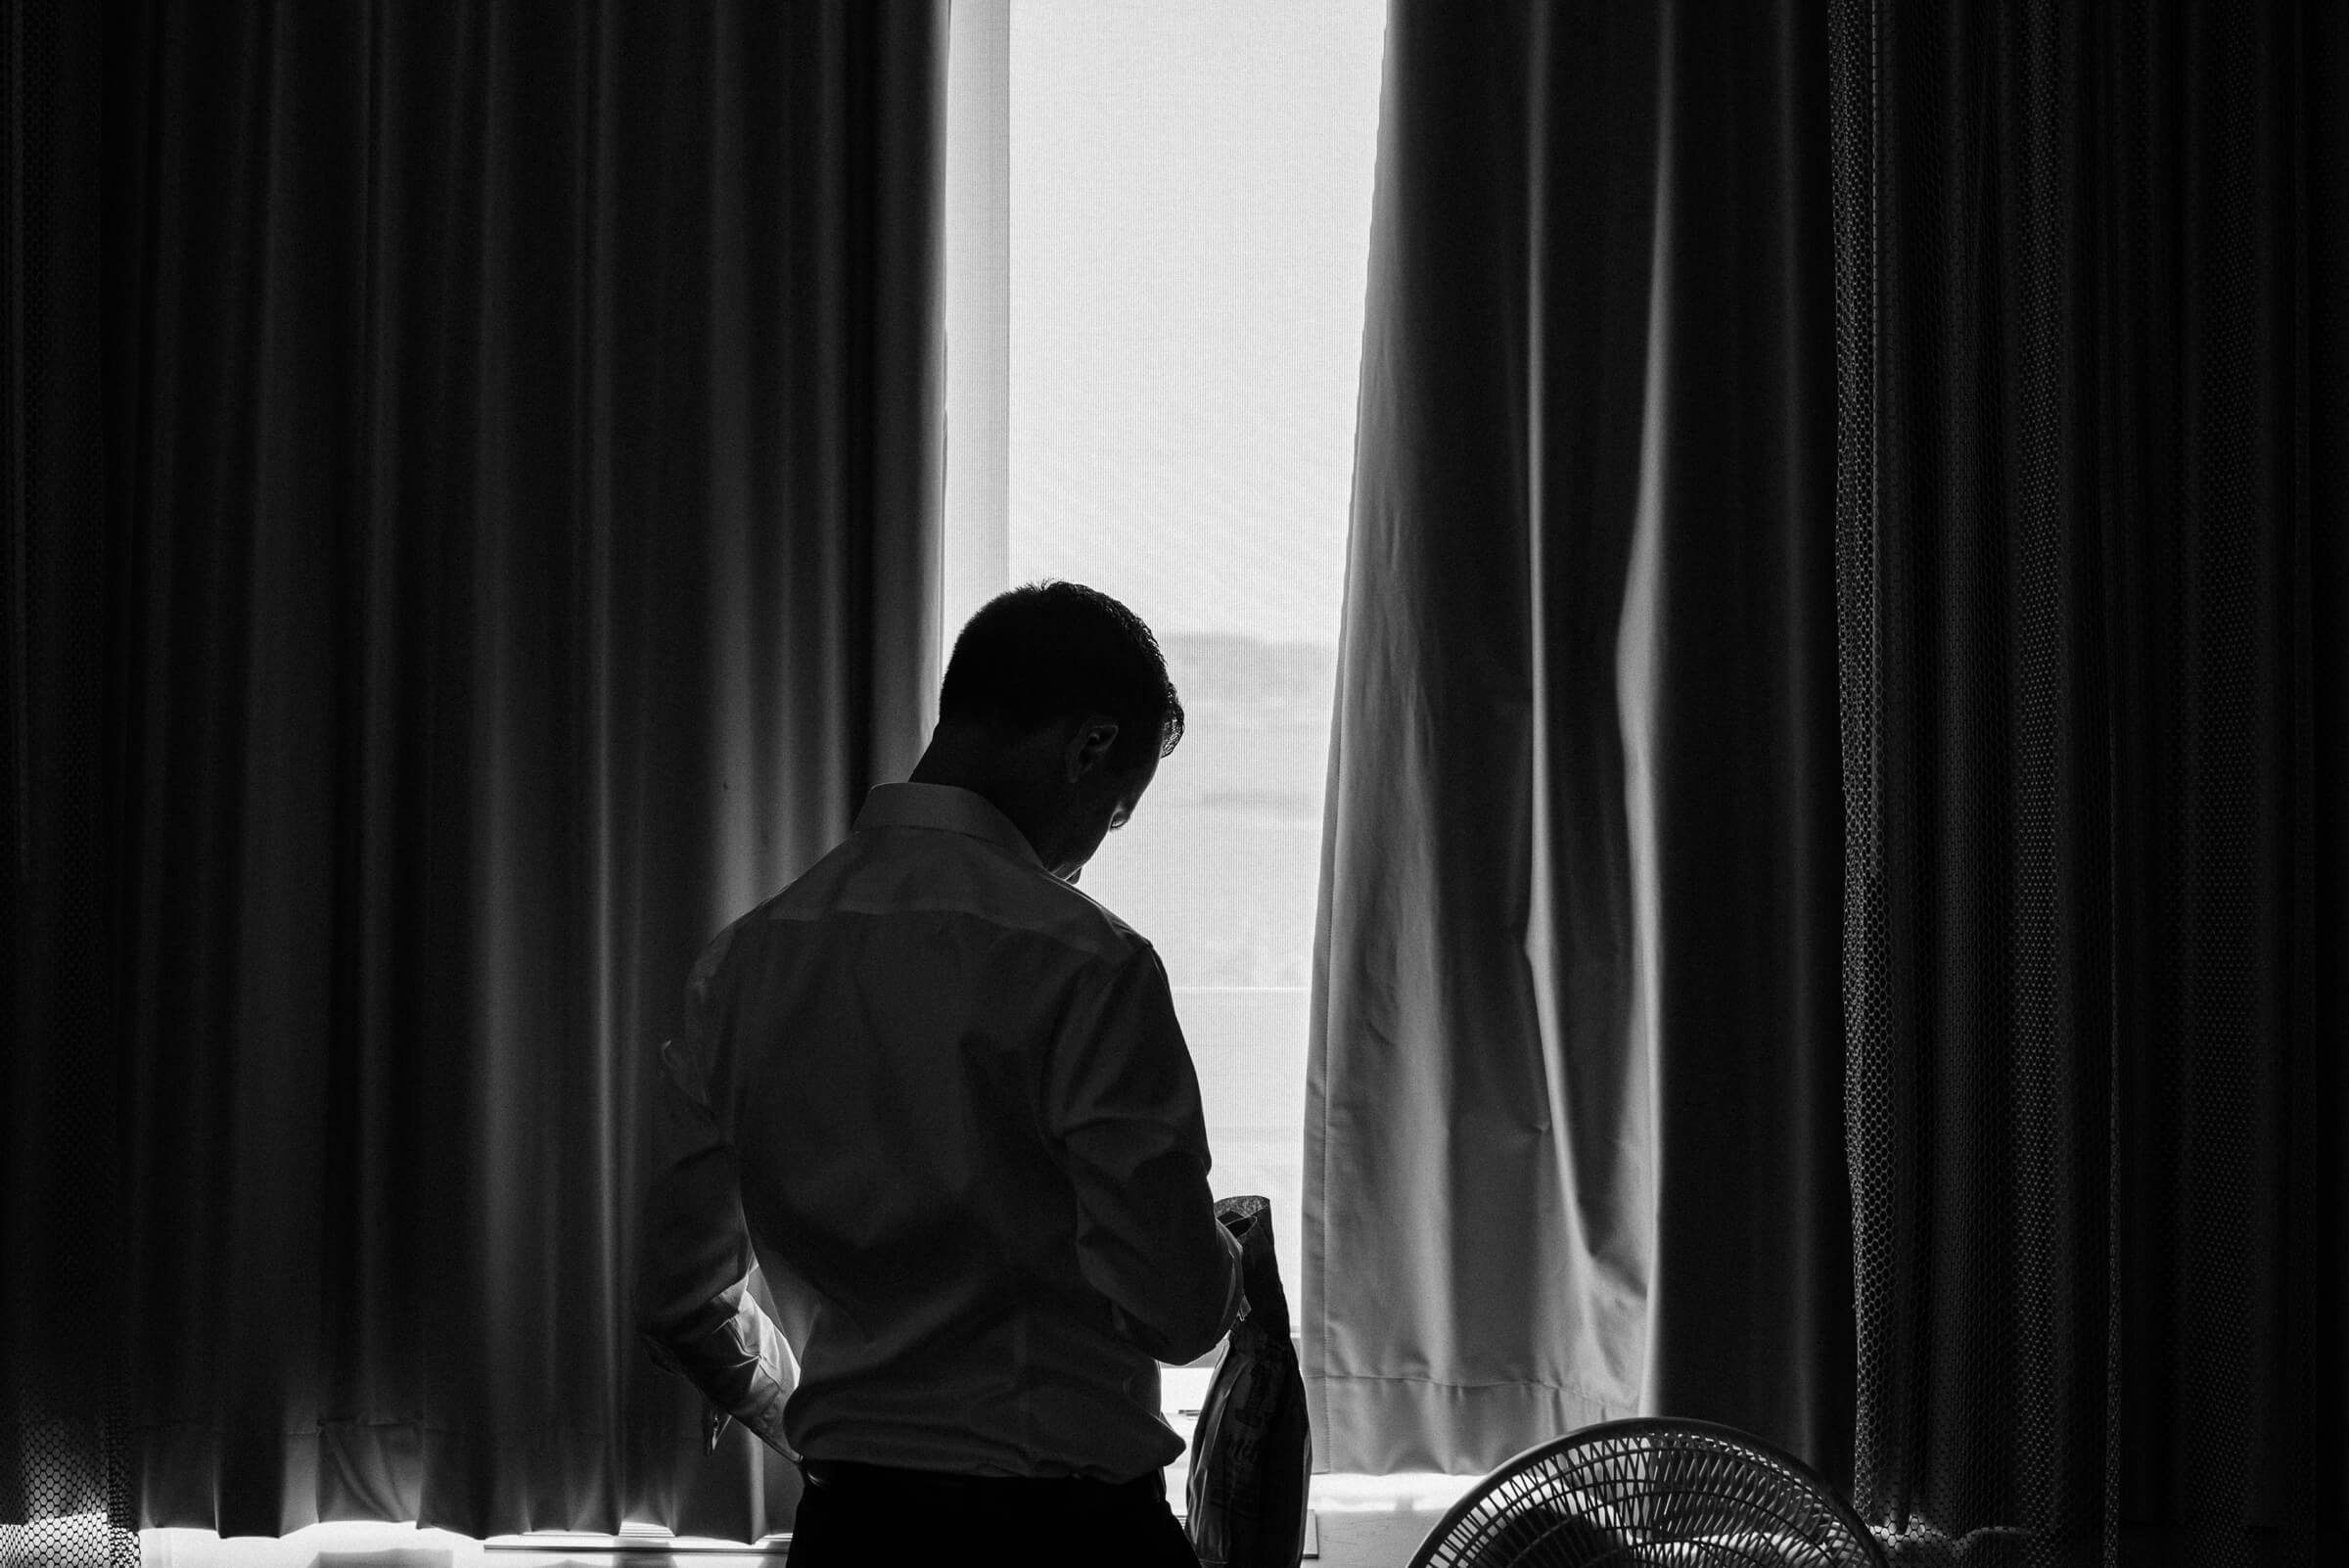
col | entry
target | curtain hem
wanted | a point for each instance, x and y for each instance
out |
(1388, 1426)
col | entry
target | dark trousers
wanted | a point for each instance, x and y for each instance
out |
(876, 1517)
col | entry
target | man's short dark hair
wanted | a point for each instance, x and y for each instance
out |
(1052, 649)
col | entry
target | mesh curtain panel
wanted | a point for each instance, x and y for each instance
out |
(494, 544)
(65, 1494)
(2090, 287)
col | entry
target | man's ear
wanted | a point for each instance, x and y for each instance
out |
(1089, 745)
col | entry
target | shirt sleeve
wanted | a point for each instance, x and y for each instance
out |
(694, 1309)
(1122, 1104)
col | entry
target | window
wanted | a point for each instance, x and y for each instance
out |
(1158, 229)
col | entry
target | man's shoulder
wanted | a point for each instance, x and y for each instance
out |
(1086, 922)
(961, 876)
(1032, 901)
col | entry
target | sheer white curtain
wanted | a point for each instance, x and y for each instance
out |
(1157, 234)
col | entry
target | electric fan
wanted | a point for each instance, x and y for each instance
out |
(1644, 1494)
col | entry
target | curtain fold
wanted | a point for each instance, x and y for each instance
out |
(2093, 313)
(1572, 1148)
(521, 458)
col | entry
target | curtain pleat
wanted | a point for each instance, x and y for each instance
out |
(526, 425)
(1571, 1150)
(2091, 277)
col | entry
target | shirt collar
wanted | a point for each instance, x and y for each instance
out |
(946, 807)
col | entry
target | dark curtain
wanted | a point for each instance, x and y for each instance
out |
(2091, 293)
(521, 448)
(1574, 1148)
(64, 1492)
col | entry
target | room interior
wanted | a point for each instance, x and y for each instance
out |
(1766, 839)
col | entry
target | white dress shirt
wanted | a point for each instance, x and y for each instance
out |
(942, 1097)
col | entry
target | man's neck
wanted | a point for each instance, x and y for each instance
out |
(957, 763)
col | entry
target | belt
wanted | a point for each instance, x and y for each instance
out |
(855, 1474)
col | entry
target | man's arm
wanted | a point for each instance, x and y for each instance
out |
(693, 1309)
(1123, 1107)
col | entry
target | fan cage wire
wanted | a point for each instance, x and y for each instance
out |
(1651, 1491)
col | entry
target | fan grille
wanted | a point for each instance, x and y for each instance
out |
(1629, 1494)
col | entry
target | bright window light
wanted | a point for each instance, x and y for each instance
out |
(1155, 315)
